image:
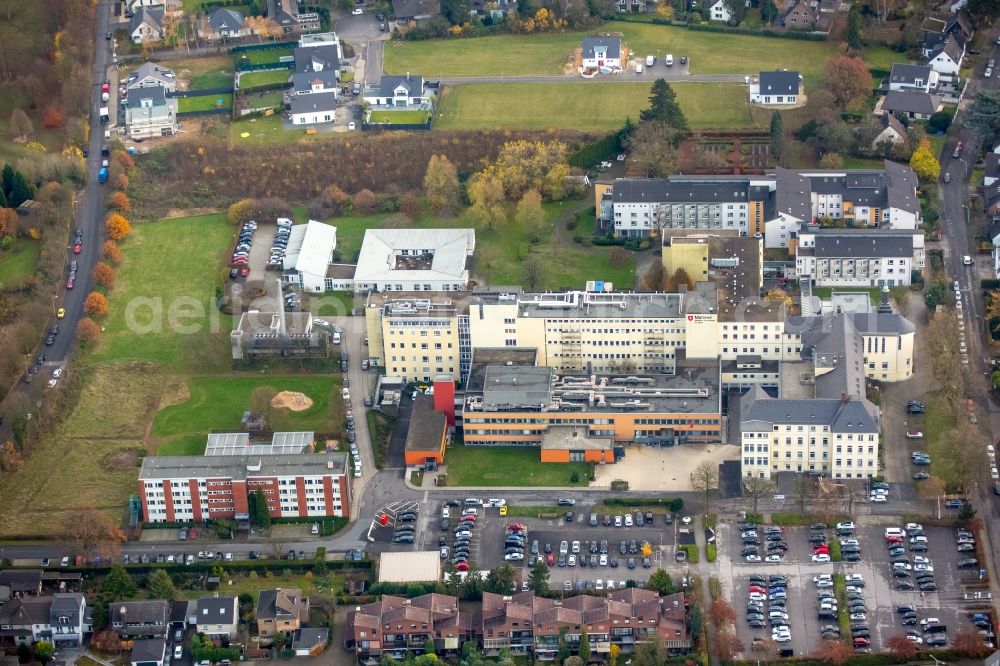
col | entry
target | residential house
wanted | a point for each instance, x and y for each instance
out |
(717, 11)
(149, 652)
(604, 51)
(150, 113)
(889, 129)
(286, 14)
(69, 620)
(993, 233)
(140, 619)
(991, 172)
(636, 6)
(307, 83)
(23, 621)
(991, 195)
(132, 6)
(858, 257)
(309, 254)
(152, 75)
(913, 105)
(281, 610)
(218, 617)
(309, 642)
(397, 627)
(224, 24)
(313, 109)
(935, 30)
(415, 10)
(947, 57)
(147, 25)
(778, 88)
(397, 91)
(22, 582)
(800, 15)
(912, 78)
(317, 64)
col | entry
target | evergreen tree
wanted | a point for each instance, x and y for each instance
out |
(8, 178)
(768, 11)
(564, 651)
(259, 511)
(854, 38)
(118, 585)
(20, 191)
(584, 646)
(663, 107)
(538, 577)
(777, 135)
(3, 199)
(161, 586)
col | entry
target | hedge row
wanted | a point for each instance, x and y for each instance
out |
(676, 505)
(260, 566)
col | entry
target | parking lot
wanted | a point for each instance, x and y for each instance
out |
(951, 603)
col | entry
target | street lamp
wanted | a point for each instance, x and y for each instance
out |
(965, 165)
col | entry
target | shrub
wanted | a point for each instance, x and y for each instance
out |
(117, 226)
(710, 552)
(366, 202)
(111, 252)
(104, 275)
(87, 330)
(96, 304)
(119, 202)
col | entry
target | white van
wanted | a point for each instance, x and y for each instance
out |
(669, 60)
(650, 61)
(336, 338)
(638, 68)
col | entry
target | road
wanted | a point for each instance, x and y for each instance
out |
(88, 212)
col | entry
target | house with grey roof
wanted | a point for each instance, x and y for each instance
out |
(858, 257)
(23, 619)
(888, 130)
(69, 620)
(147, 25)
(946, 58)
(281, 610)
(150, 113)
(149, 652)
(222, 24)
(400, 92)
(140, 619)
(286, 14)
(152, 75)
(913, 105)
(307, 83)
(603, 51)
(218, 617)
(309, 642)
(415, 10)
(313, 109)
(22, 582)
(905, 77)
(779, 88)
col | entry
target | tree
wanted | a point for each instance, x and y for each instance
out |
(118, 586)
(43, 652)
(20, 125)
(563, 643)
(240, 212)
(652, 279)
(705, 480)
(848, 79)
(20, 191)
(534, 273)
(679, 279)
(969, 643)
(728, 644)
(901, 647)
(529, 213)
(89, 530)
(365, 202)
(52, 118)
(456, 11)
(834, 652)
(831, 161)
(410, 206)
(777, 295)
(854, 37)
(104, 275)
(664, 108)
(117, 226)
(721, 613)
(260, 513)
(584, 651)
(500, 579)
(161, 586)
(524, 165)
(777, 133)
(737, 11)
(613, 653)
(119, 202)
(8, 222)
(803, 491)
(441, 185)
(937, 293)
(924, 163)
(768, 11)
(487, 198)
(661, 581)
(87, 330)
(11, 460)
(538, 578)
(755, 489)
(983, 116)
(8, 178)
(96, 304)
(653, 147)
(110, 252)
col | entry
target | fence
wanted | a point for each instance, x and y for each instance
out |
(200, 93)
(378, 127)
(204, 112)
(249, 67)
(263, 47)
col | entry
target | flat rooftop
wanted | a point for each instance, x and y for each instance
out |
(420, 303)
(797, 381)
(587, 305)
(241, 467)
(573, 439)
(693, 390)
(269, 323)
(484, 357)
(427, 426)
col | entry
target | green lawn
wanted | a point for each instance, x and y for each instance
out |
(874, 293)
(205, 103)
(584, 106)
(502, 466)
(272, 99)
(212, 81)
(882, 57)
(264, 56)
(162, 307)
(218, 403)
(264, 78)
(203, 73)
(938, 421)
(399, 117)
(244, 583)
(18, 263)
(527, 55)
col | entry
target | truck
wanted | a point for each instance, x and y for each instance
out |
(102, 175)
(105, 116)
(669, 60)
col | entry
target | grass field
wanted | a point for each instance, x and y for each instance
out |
(202, 73)
(265, 56)
(938, 421)
(264, 78)
(399, 117)
(18, 263)
(473, 466)
(528, 55)
(584, 106)
(162, 308)
(218, 403)
(311, 586)
(205, 103)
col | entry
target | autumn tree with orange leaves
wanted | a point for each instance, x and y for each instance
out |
(902, 647)
(119, 202)
(96, 304)
(834, 652)
(117, 226)
(87, 330)
(92, 531)
(111, 252)
(104, 275)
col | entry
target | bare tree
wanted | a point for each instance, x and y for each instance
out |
(705, 480)
(756, 489)
(853, 492)
(804, 491)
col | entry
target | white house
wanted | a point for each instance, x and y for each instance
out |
(601, 52)
(320, 52)
(146, 25)
(133, 6)
(224, 24)
(152, 75)
(218, 617)
(415, 260)
(719, 12)
(912, 78)
(890, 130)
(309, 255)
(313, 109)
(776, 88)
(150, 113)
(858, 257)
(947, 58)
(397, 91)
(307, 83)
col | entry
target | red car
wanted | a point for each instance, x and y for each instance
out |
(462, 566)
(757, 588)
(240, 261)
(550, 560)
(894, 539)
(516, 526)
(70, 282)
(245, 271)
(76, 248)
(821, 550)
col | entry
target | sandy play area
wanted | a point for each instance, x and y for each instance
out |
(661, 468)
(293, 400)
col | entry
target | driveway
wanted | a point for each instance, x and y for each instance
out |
(358, 29)
(374, 54)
